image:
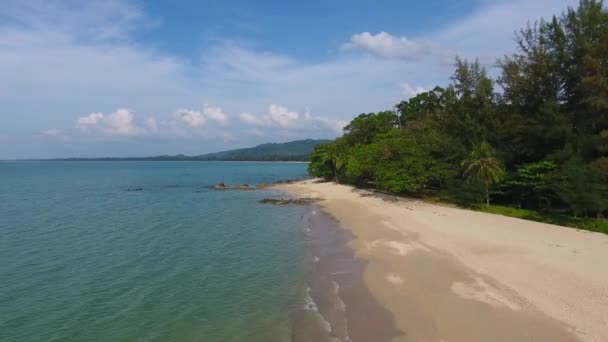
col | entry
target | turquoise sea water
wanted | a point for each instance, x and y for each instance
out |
(82, 258)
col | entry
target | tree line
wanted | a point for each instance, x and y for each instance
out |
(534, 137)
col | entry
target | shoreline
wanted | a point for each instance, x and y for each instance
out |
(337, 306)
(448, 274)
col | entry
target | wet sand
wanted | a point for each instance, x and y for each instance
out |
(341, 308)
(447, 274)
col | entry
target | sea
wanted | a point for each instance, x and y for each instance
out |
(147, 251)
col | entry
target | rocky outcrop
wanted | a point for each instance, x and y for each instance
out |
(285, 201)
(222, 186)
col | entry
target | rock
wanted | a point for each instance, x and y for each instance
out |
(223, 186)
(284, 201)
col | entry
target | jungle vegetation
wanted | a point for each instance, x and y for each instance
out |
(533, 139)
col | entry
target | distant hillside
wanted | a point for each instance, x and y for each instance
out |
(290, 151)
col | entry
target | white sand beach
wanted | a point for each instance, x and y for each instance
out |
(449, 274)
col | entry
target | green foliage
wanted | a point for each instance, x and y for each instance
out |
(327, 160)
(532, 185)
(365, 127)
(483, 167)
(392, 162)
(540, 143)
(582, 189)
(319, 166)
(585, 223)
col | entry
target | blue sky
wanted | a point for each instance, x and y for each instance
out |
(136, 78)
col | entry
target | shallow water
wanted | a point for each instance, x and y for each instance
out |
(82, 258)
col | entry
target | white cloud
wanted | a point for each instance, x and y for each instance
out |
(410, 91)
(191, 117)
(52, 132)
(216, 114)
(277, 116)
(388, 46)
(180, 123)
(93, 21)
(68, 55)
(280, 117)
(91, 119)
(118, 123)
(487, 33)
(326, 124)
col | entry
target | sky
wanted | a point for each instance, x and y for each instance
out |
(140, 78)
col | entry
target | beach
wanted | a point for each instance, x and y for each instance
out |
(447, 274)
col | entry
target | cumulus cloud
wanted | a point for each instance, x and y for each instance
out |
(277, 116)
(410, 91)
(191, 118)
(119, 123)
(91, 119)
(388, 46)
(326, 124)
(54, 51)
(181, 122)
(216, 114)
(280, 117)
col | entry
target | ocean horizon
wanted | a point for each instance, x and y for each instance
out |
(85, 258)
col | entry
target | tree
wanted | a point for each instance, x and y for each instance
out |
(552, 109)
(363, 128)
(422, 105)
(335, 159)
(582, 189)
(318, 166)
(327, 160)
(532, 184)
(483, 167)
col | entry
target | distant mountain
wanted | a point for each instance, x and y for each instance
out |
(290, 151)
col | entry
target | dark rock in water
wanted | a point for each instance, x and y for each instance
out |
(223, 186)
(135, 189)
(284, 201)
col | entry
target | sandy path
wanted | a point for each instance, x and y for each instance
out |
(449, 274)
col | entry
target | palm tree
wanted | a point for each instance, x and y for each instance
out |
(483, 167)
(332, 156)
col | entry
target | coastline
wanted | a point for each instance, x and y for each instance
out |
(334, 303)
(449, 274)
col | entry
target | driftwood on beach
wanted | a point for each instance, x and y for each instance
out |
(284, 201)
